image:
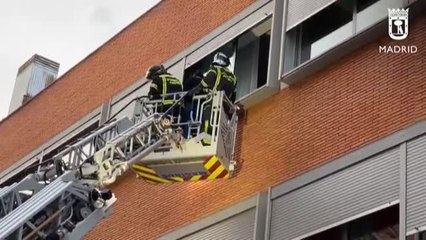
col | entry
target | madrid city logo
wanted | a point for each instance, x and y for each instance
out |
(398, 23)
(398, 30)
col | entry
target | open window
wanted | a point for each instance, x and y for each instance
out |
(251, 64)
(383, 224)
(317, 34)
(329, 27)
(249, 55)
(203, 65)
(370, 12)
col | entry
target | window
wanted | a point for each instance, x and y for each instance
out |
(249, 54)
(370, 12)
(361, 5)
(251, 65)
(330, 27)
(317, 34)
(381, 225)
(204, 64)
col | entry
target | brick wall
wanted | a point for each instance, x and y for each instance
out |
(362, 98)
(113, 67)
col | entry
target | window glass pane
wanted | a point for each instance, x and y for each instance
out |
(331, 27)
(370, 12)
(251, 64)
(324, 31)
(264, 44)
(318, 34)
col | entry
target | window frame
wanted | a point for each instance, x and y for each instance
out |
(260, 10)
(347, 226)
(357, 39)
(252, 16)
(229, 32)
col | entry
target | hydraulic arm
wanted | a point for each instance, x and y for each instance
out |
(66, 199)
(67, 196)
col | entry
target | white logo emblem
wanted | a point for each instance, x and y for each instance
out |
(398, 23)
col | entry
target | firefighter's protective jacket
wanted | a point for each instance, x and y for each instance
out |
(165, 84)
(221, 79)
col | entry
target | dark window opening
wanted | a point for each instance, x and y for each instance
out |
(319, 26)
(329, 28)
(265, 41)
(363, 4)
(383, 225)
(204, 64)
(252, 58)
(249, 55)
(318, 34)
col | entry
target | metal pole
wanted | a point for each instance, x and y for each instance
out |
(147, 151)
(403, 191)
(48, 220)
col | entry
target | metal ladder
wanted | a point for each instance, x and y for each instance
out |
(63, 199)
(53, 207)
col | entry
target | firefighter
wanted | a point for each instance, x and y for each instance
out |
(191, 85)
(163, 86)
(193, 81)
(218, 78)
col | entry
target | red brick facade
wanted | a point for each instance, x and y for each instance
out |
(155, 37)
(362, 98)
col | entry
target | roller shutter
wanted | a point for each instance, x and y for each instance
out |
(299, 10)
(416, 183)
(240, 226)
(354, 190)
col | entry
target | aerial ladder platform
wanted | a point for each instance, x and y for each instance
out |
(66, 196)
